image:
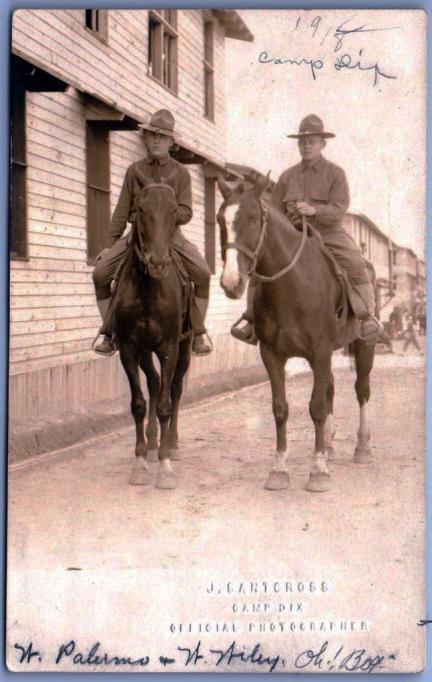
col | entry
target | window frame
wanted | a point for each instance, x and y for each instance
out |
(98, 18)
(210, 222)
(18, 209)
(162, 24)
(208, 68)
(96, 185)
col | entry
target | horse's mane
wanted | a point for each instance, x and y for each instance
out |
(280, 228)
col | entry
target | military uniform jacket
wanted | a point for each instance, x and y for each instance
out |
(322, 185)
(159, 170)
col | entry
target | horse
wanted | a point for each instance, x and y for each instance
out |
(295, 316)
(150, 311)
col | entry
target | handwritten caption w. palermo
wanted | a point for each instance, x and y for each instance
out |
(325, 657)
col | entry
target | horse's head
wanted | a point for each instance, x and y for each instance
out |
(154, 227)
(240, 222)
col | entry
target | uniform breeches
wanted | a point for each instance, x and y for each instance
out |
(194, 264)
(347, 253)
(106, 267)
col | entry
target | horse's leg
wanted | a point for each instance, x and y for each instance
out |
(278, 478)
(319, 477)
(329, 427)
(140, 474)
(166, 478)
(364, 357)
(153, 385)
(183, 363)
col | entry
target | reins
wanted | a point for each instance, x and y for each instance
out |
(139, 249)
(253, 255)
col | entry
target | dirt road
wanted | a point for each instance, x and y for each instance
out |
(92, 558)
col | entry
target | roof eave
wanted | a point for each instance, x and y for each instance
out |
(234, 25)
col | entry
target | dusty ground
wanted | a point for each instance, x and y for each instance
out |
(94, 559)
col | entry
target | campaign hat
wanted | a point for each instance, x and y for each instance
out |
(311, 125)
(162, 122)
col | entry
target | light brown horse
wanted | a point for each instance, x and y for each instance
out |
(295, 316)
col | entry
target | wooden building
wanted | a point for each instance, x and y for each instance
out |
(409, 275)
(82, 81)
(376, 247)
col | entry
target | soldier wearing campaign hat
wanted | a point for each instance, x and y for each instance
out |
(159, 166)
(318, 189)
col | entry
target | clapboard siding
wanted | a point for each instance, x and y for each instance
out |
(24, 329)
(51, 301)
(118, 72)
(75, 312)
(50, 350)
(53, 204)
(54, 216)
(54, 317)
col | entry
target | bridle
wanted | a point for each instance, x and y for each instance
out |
(140, 251)
(253, 255)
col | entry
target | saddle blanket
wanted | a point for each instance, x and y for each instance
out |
(350, 305)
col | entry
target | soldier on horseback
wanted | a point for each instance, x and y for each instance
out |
(159, 167)
(318, 189)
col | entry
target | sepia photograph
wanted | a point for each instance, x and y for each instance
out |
(217, 341)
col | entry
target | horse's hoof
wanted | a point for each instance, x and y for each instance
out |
(140, 476)
(152, 456)
(175, 454)
(330, 454)
(362, 456)
(318, 483)
(277, 480)
(166, 480)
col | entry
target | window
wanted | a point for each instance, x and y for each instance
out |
(208, 71)
(162, 52)
(96, 20)
(98, 187)
(210, 222)
(18, 199)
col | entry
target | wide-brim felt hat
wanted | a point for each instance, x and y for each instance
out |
(311, 125)
(162, 122)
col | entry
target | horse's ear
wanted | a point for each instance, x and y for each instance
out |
(224, 188)
(261, 186)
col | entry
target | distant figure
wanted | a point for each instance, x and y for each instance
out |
(410, 336)
(422, 322)
(395, 320)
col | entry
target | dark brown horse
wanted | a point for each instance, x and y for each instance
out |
(295, 316)
(150, 308)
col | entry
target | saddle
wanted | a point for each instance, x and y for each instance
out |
(350, 306)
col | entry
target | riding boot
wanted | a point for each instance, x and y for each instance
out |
(107, 345)
(371, 327)
(246, 333)
(198, 315)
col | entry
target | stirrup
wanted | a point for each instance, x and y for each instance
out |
(252, 339)
(372, 338)
(207, 352)
(113, 352)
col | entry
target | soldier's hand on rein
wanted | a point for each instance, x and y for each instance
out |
(305, 209)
